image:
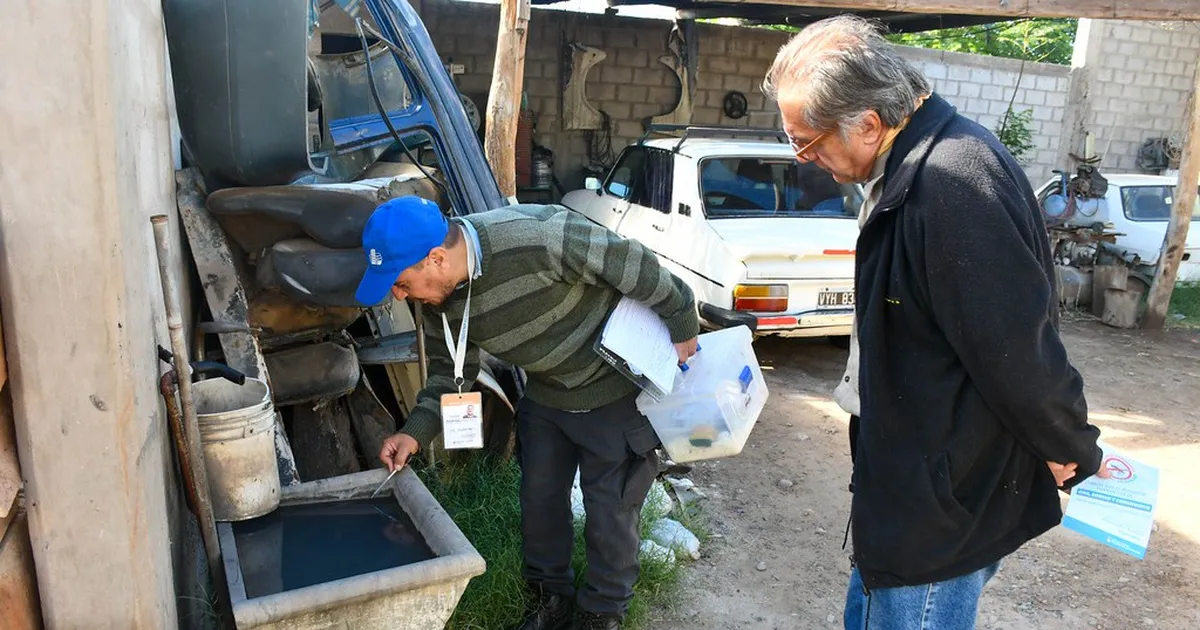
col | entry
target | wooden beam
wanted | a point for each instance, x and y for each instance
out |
(10, 469)
(19, 606)
(1163, 10)
(504, 98)
(1159, 300)
(216, 263)
(3, 362)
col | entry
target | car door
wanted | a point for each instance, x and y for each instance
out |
(646, 216)
(664, 214)
(609, 205)
(692, 250)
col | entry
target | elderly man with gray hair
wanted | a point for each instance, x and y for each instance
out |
(966, 412)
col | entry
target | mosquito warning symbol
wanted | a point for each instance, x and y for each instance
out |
(1120, 469)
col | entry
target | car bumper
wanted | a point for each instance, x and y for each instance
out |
(814, 323)
(717, 317)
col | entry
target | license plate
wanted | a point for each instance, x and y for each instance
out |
(835, 299)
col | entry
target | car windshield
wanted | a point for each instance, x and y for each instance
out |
(1151, 203)
(773, 187)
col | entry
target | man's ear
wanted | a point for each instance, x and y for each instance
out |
(438, 256)
(871, 129)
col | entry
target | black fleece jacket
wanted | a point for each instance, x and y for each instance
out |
(966, 387)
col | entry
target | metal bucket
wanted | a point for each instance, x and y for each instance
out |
(237, 432)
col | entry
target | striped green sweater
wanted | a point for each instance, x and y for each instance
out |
(550, 278)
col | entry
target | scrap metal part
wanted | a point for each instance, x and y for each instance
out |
(313, 372)
(679, 63)
(578, 113)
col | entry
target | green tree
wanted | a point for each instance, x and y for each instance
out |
(1035, 39)
(1015, 133)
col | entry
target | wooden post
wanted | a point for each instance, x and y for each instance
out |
(10, 468)
(1159, 299)
(83, 311)
(504, 99)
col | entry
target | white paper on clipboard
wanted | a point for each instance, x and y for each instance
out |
(639, 336)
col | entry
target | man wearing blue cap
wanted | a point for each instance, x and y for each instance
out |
(534, 285)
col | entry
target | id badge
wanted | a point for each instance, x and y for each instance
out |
(462, 420)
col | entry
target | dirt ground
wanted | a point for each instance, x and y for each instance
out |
(776, 559)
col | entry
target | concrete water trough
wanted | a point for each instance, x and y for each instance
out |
(407, 573)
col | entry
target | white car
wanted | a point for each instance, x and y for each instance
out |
(1137, 207)
(761, 239)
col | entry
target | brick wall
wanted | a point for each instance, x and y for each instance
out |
(631, 85)
(1136, 85)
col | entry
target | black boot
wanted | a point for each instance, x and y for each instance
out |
(553, 612)
(585, 620)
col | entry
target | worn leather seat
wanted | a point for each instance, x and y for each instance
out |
(333, 218)
(331, 214)
(313, 273)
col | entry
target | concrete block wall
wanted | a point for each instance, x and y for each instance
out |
(630, 84)
(1138, 78)
(982, 88)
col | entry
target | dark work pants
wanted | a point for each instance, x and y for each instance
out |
(613, 446)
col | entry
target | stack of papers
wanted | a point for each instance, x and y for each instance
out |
(1118, 512)
(638, 337)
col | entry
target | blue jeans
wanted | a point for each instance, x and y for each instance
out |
(948, 605)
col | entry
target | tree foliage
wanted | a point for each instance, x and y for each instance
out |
(1015, 133)
(1036, 39)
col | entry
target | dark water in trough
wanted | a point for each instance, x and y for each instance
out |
(302, 545)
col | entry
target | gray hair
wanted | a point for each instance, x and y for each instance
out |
(846, 68)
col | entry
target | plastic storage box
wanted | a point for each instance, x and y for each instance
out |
(715, 403)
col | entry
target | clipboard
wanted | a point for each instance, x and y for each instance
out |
(636, 342)
(621, 366)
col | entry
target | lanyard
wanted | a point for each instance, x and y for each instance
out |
(459, 352)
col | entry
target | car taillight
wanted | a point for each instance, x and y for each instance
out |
(761, 298)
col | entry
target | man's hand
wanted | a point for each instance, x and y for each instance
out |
(686, 349)
(1062, 472)
(1065, 472)
(397, 449)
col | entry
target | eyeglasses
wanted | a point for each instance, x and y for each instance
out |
(802, 151)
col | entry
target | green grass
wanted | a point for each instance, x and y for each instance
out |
(1185, 301)
(656, 587)
(482, 497)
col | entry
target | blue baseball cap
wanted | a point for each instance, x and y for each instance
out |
(400, 233)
